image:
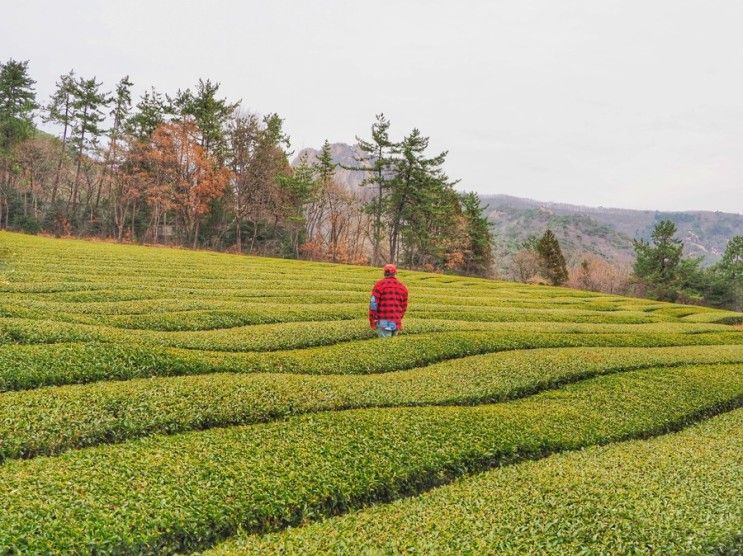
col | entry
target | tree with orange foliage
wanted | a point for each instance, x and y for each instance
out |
(181, 177)
(596, 274)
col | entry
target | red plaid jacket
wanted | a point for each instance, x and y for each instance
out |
(389, 301)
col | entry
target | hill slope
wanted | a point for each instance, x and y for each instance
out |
(184, 398)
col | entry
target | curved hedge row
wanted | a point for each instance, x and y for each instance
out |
(50, 421)
(308, 334)
(31, 366)
(158, 299)
(152, 347)
(291, 335)
(677, 494)
(176, 493)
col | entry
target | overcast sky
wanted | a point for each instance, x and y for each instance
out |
(631, 103)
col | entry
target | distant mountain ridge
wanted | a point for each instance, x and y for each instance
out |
(606, 232)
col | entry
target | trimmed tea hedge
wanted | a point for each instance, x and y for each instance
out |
(292, 335)
(677, 494)
(31, 366)
(181, 492)
(160, 400)
(48, 421)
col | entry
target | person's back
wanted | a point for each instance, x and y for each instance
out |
(389, 301)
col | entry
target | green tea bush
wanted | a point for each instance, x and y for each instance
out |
(180, 492)
(670, 495)
(31, 366)
(39, 422)
(161, 400)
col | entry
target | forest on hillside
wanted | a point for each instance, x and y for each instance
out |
(194, 169)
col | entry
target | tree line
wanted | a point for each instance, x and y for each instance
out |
(192, 168)
(660, 271)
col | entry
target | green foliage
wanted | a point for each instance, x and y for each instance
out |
(121, 106)
(182, 492)
(209, 112)
(478, 251)
(59, 108)
(17, 103)
(531, 243)
(376, 161)
(301, 188)
(658, 264)
(183, 396)
(33, 424)
(553, 262)
(150, 112)
(66, 362)
(325, 167)
(422, 206)
(724, 281)
(614, 500)
(666, 275)
(88, 104)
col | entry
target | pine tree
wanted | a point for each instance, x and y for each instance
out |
(416, 195)
(553, 262)
(150, 112)
(732, 260)
(301, 187)
(324, 165)
(17, 104)
(724, 280)
(376, 162)
(731, 266)
(88, 105)
(59, 111)
(658, 264)
(122, 103)
(210, 113)
(479, 250)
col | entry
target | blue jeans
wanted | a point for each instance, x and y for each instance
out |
(386, 329)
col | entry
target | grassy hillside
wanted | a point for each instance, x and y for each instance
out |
(160, 400)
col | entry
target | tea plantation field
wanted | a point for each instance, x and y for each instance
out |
(167, 401)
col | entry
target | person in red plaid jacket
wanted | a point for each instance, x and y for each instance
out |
(389, 301)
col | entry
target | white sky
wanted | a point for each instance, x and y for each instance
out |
(630, 103)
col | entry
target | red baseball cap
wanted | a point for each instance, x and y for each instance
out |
(390, 269)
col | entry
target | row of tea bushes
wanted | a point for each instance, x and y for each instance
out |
(676, 494)
(186, 491)
(49, 421)
(31, 366)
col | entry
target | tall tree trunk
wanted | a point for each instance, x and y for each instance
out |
(108, 164)
(75, 184)
(134, 213)
(238, 235)
(122, 223)
(378, 222)
(62, 151)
